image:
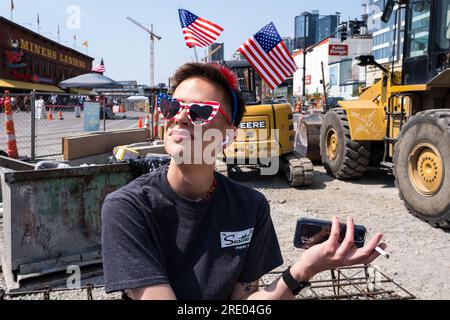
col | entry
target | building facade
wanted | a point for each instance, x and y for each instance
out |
(306, 30)
(311, 28)
(218, 55)
(327, 25)
(29, 58)
(289, 42)
(342, 75)
(385, 35)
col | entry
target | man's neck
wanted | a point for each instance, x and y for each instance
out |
(192, 182)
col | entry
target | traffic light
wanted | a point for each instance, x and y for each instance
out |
(356, 27)
(344, 32)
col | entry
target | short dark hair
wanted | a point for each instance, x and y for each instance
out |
(213, 73)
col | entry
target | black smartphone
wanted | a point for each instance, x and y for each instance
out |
(311, 232)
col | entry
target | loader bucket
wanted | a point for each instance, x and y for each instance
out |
(307, 138)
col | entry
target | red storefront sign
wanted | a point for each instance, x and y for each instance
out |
(338, 50)
(308, 79)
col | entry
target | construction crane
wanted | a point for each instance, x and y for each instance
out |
(152, 48)
(205, 59)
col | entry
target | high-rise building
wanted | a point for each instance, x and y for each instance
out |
(289, 44)
(306, 29)
(310, 28)
(327, 25)
(385, 35)
(218, 55)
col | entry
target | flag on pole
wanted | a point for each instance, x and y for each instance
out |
(269, 56)
(85, 44)
(38, 24)
(198, 31)
(12, 9)
(100, 68)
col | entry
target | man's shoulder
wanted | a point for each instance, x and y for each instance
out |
(140, 187)
(242, 193)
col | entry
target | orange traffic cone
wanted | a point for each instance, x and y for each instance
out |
(50, 115)
(140, 126)
(9, 128)
(60, 115)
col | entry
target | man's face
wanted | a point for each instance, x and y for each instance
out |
(197, 144)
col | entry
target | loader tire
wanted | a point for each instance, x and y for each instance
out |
(422, 166)
(342, 157)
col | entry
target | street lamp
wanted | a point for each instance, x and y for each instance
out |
(305, 15)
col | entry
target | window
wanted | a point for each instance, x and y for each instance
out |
(443, 37)
(345, 73)
(419, 28)
(334, 75)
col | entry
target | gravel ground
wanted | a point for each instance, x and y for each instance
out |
(420, 254)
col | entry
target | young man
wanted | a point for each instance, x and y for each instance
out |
(186, 232)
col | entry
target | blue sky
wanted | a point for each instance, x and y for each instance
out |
(125, 48)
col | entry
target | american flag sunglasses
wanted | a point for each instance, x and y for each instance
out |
(199, 113)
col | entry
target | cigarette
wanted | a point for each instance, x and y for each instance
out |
(382, 252)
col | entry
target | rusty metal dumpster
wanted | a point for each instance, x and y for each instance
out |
(52, 220)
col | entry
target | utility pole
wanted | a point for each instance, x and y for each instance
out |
(305, 16)
(153, 36)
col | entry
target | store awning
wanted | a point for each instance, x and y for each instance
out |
(83, 91)
(12, 84)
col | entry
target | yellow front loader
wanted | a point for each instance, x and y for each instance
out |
(402, 122)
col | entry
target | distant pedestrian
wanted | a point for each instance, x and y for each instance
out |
(54, 99)
(40, 109)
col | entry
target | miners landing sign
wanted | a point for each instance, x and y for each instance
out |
(338, 50)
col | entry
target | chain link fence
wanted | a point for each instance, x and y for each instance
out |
(42, 120)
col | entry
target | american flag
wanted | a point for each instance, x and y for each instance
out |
(269, 56)
(197, 31)
(100, 68)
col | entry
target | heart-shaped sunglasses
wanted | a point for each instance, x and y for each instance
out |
(199, 113)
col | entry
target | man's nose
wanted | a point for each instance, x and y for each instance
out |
(182, 118)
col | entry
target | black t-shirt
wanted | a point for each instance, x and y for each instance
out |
(152, 236)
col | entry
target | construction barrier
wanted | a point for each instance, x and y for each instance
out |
(9, 128)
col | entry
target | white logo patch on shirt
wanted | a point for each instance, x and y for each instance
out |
(236, 239)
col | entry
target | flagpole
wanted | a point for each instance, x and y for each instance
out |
(196, 55)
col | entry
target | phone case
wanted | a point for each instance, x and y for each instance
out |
(311, 232)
